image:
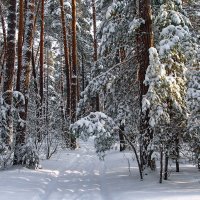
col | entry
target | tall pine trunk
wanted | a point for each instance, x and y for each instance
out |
(3, 54)
(74, 70)
(67, 70)
(144, 42)
(95, 45)
(42, 54)
(67, 65)
(41, 70)
(20, 42)
(7, 120)
(25, 80)
(62, 97)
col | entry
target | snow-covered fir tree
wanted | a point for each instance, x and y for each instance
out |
(115, 68)
(166, 76)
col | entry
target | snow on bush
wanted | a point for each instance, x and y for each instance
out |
(99, 125)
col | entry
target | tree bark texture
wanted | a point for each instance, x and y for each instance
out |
(42, 54)
(177, 153)
(3, 54)
(74, 62)
(74, 71)
(67, 65)
(121, 138)
(161, 163)
(10, 51)
(25, 79)
(144, 41)
(95, 56)
(94, 30)
(9, 74)
(166, 165)
(20, 42)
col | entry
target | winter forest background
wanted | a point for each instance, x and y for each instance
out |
(123, 72)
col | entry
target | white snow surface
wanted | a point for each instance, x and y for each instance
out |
(80, 175)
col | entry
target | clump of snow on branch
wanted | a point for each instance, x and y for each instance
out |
(99, 125)
(94, 87)
(135, 24)
(172, 35)
(155, 99)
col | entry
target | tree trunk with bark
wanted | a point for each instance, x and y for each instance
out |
(20, 42)
(67, 70)
(144, 41)
(3, 54)
(161, 163)
(67, 65)
(166, 165)
(42, 54)
(121, 138)
(25, 80)
(74, 70)
(95, 56)
(177, 153)
(7, 120)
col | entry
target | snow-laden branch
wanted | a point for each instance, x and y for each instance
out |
(97, 84)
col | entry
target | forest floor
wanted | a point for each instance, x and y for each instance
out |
(80, 175)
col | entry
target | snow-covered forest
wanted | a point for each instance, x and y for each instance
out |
(99, 99)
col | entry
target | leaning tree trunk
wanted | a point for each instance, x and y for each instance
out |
(7, 119)
(25, 80)
(144, 42)
(74, 70)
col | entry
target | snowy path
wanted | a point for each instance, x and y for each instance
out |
(81, 179)
(79, 175)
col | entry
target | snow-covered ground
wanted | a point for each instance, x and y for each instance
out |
(79, 175)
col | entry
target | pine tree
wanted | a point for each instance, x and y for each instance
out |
(10, 53)
(144, 42)
(3, 53)
(95, 45)
(7, 96)
(166, 79)
(21, 151)
(20, 42)
(42, 53)
(74, 70)
(67, 64)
